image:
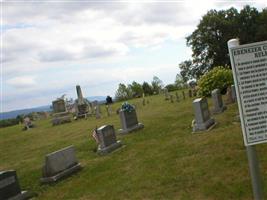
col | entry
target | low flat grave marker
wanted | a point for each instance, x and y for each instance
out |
(10, 188)
(202, 120)
(59, 164)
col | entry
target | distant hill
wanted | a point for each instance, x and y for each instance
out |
(15, 113)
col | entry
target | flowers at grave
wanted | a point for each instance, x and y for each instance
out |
(127, 107)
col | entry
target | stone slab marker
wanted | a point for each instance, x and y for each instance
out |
(129, 122)
(233, 92)
(217, 101)
(10, 188)
(183, 95)
(59, 164)
(229, 95)
(107, 139)
(60, 114)
(202, 120)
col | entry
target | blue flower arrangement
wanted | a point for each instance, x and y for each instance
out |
(127, 107)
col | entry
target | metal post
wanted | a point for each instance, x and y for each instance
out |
(254, 172)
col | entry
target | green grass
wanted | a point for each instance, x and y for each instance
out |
(162, 161)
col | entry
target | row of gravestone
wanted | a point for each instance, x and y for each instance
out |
(63, 162)
(203, 120)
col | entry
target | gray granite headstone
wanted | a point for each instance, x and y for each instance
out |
(82, 105)
(202, 120)
(218, 106)
(59, 164)
(129, 122)
(59, 106)
(60, 114)
(10, 188)
(229, 98)
(233, 93)
(97, 112)
(107, 139)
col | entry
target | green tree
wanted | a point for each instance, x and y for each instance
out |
(209, 40)
(157, 84)
(148, 90)
(180, 82)
(122, 92)
(136, 89)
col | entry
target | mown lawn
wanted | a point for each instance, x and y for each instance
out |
(162, 161)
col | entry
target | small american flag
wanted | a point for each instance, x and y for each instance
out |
(95, 136)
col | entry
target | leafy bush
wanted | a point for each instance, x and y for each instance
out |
(218, 78)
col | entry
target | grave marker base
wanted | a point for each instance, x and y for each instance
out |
(208, 125)
(131, 129)
(110, 148)
(218, 111)
(22, 196)
(62, 174)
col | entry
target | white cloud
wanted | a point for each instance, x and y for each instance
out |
(22, 81)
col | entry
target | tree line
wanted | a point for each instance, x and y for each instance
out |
(136, 89)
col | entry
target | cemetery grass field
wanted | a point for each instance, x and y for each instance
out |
(162, 161)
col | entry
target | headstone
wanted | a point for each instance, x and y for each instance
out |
(229, 97)
(189, 93)
(97, 112)
(217, 101)
(233, 92)
(166, 94)
(27, 123)
(177, 96)
(59, 164)
(202, 120)
(60, 115)
(10, 188)
(82, 105)
(108, 108)
(129, 122)
(183, 95)
(144, 100)
(107, 139)
(171, 98)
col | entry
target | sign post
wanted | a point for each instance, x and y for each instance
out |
(249, 66)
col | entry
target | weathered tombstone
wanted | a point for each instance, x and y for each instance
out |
(229, 97)
(60, 114)
(10, 188)
(166, 94)
(189, 93)
(233, 92)
(183, 95)
(27, 123)
(171, 98)
(202, 120)
(129, 122)
(177, 96)
(218, 106)
(97, 112)
(144, 100)
(107, 139)
(59, 164)
(82, 105)
(108, 109)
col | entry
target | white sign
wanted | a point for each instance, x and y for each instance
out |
(249, 65)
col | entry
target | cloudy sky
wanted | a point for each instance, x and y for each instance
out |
(48, 47)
